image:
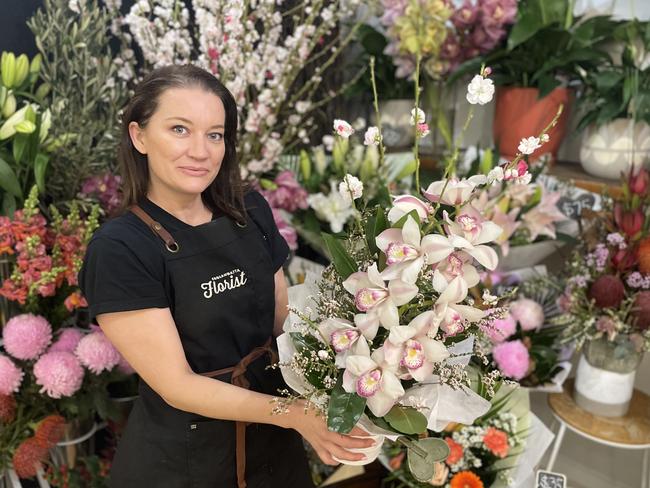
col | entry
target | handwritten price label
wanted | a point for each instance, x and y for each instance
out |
(572, 207)
(547, 479)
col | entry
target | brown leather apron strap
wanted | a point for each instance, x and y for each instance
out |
(156, 228)
(238, 378)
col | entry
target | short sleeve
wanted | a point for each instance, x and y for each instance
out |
(261, 213)
(114, 279)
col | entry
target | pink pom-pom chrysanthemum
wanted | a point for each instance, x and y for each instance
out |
(512, 359)
(11, 376)
(528, 313)
(500, 329)
(97, 353)
(59, 373)
(68, 340)
(26, 336)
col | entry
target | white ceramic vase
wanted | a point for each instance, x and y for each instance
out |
(613, 148)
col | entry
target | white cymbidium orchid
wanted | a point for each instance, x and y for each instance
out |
(373, 378)
(406, 251)
(344, 338)
(450, 315)
(404, 204)
(377, 300)
(456, 191)
(414, 347)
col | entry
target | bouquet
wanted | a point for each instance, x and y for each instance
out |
(607, 293)
(384, 338)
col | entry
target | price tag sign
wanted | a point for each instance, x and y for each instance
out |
(572, 206)
(548, 479)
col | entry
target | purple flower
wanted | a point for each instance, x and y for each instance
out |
(59, 374)
(288, 195)
(26, 336)
(512, 359)
(465, 16)
(498, 13)
(392, 10)
(105, 188)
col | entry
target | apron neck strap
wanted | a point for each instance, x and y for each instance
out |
(156, 228)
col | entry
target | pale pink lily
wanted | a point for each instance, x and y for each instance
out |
(378, 300)
(372, 378)
(456, 192)
(508, 222)
(540, 220)
(415, 348)
(406, 251)
(344, 338)
(404, 204)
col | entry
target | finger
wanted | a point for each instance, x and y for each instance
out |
(342, 454)
(359, 432)
(348, 442)
(327, 458)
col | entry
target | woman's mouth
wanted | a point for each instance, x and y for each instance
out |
(194, 170)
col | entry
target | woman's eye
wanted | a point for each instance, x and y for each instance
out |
(216, 136)
(179, 129)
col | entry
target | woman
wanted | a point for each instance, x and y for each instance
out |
(188, 285)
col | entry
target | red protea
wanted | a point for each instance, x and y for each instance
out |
(28, 458)
(607, 291)
(641, 310)
(643, 256)
(50, 431)
(7, 409)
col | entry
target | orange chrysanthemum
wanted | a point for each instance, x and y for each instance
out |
(455, 451)
(466, 479)
(50, 431)
(497, 442)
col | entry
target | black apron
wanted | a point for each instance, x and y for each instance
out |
(222, 297)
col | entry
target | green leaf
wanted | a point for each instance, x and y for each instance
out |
(8, 204)
(40, 167)
(345, 409)
(423, 468)
(487, 161)
(343, 263)
(19, 145)
(406, 420)
(413, 213)
(443, 127)
(375, 226)
(9, 180)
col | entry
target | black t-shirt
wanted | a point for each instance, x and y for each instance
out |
(124, 268)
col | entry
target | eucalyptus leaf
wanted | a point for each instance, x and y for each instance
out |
(406, 420)
(423, 468)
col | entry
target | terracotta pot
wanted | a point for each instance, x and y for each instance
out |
(519, 113)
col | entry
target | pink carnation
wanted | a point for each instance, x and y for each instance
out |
(68, 340)
(59, 373)
(528, 313)
(26, 336)
(512, 359)
(11, 376)
(97, 353)
(501, 329)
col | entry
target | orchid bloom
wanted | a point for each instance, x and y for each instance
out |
(456, 192)
(378, 300)
(372, 378)
(414, 347)
(451, 316)
(541, 219)
(344, 338)
(404, 204)
(406, 251)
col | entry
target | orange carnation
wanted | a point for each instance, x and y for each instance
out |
(466, 479)
(497, 442)
(455, 451)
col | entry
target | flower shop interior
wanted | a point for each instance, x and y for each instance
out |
(464, 188)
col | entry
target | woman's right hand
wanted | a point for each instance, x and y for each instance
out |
(326, 443)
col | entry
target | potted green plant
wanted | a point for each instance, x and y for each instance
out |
(616, 106)
(537, 68)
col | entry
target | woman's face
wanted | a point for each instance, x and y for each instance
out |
(183, 141)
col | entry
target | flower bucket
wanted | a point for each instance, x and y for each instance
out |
(530, 254)
(78, 440)
(519, 113)
(605, 377)
(613, 148)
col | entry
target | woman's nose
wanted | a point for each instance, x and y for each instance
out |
(199, 147)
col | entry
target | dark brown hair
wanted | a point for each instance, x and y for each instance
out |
(226, 192)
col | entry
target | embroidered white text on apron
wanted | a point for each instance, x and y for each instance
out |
(226, 281)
